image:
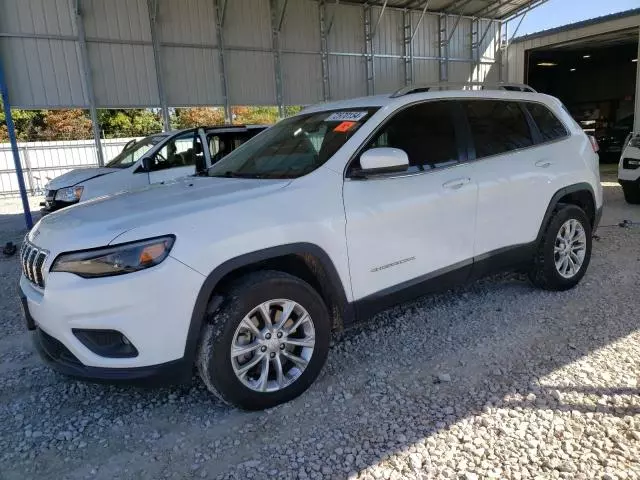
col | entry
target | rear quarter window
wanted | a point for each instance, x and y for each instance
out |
(550, 127)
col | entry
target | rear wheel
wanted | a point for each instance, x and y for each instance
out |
(564, 251)
(632, 193)
(268, 342)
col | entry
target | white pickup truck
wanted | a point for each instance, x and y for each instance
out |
(154, 159)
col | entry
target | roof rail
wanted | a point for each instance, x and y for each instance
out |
(429, 87)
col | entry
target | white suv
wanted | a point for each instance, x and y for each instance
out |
(314, 224)
(629, 169)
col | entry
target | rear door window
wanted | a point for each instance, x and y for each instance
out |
(497, 126)
(548, 124)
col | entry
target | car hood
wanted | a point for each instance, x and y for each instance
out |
(99, 221)
(78, 175)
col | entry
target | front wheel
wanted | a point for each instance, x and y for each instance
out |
(564, 251)
(268, 342)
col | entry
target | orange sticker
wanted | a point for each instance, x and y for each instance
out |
(344, 127)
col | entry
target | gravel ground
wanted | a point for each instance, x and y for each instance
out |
(496, 380)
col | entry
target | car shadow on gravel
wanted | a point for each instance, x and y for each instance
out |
(416, 378)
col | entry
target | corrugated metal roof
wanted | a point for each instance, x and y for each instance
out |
(582, 24)
(495, 9)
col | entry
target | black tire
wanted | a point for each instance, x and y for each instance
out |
(632, 193)
(544, 273)
(214, 360)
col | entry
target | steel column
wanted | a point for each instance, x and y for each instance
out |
(152, 8)
(407, 31)
(636, 122)
(324, 52)
(220, 8)
(368, 50)
(443, 49)
(88, 81)
(277, 17)
(503, 60)
(11, 130)
(475, 50)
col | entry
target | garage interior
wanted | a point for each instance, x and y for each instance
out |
(595, 77)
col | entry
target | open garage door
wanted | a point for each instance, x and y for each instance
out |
(595, 77)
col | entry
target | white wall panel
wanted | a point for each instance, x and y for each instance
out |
(116, 19)
(123, 75)
(248, 23)
(425, 71)
(187, 21)
(389, 75)
(42, 17)
(191, 76)
(388, 39)
(301, 79)
(425, 42)
(460, 43)
(301, 27)
(347, 77)
(347, 34)
(251, 78)
(460, 71)
(43, 73)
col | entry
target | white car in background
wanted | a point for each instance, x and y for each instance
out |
(154, 159)
(629, 170)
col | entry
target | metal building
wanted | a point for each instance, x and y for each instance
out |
(591, 64)
(174, 53)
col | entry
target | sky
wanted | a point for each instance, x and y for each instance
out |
(555, 13)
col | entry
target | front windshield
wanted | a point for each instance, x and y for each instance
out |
(130, 155)
(293, 147)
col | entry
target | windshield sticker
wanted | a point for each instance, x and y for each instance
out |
(346, 116)
(344, 127)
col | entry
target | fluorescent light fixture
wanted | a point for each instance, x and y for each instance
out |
(572, 69)
(635, 60)
(547, 64)
(586, 56)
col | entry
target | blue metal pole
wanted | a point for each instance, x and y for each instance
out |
(4, 92)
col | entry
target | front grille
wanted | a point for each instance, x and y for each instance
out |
(32, 259)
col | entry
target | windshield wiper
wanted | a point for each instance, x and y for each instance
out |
(230, 174)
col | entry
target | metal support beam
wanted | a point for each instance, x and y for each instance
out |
(277, 17)
(443, 48)
(220, 7)
(475, 50)
(152, 8)
(368, 50)
(636, 121)
(375, 29)
(503, 62)
(11, 130)
(333, 17)
(407, 47)
(522, 9)
(324, 52)
(424, 11)
(88, 81)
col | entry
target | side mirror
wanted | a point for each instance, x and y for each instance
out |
(147, 164)
(383, 160)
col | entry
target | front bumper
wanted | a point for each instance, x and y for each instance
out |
(152, 308)
(58, 357)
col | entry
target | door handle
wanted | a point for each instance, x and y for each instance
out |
(456, 183)
(543, 163)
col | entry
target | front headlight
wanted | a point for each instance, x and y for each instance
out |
(70, 194)
(115, 260)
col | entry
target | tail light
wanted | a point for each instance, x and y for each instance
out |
(594, 143)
